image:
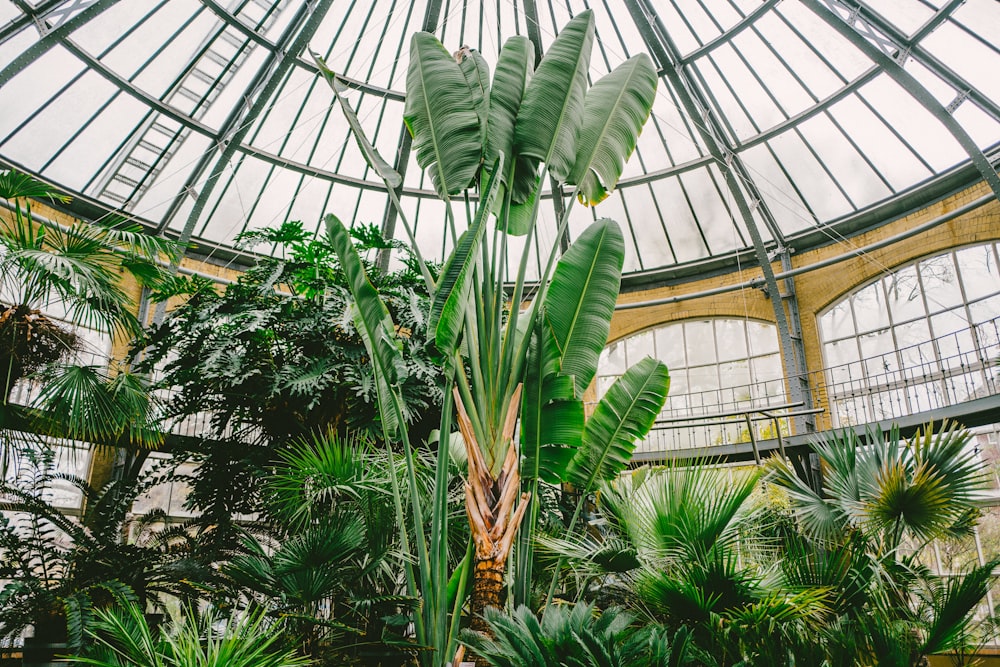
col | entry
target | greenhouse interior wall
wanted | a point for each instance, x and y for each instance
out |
(682, 433)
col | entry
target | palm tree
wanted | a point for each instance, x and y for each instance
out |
(325, 562)
(59, 566)
(675, 546)
(884, 501)
(76, 268)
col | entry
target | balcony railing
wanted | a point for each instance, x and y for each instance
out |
(942, 372)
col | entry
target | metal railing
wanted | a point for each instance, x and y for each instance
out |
(941, 372)
(945, 371)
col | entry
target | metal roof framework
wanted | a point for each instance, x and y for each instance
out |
(778, 123)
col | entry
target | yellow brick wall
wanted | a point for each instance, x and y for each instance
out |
(817, 290)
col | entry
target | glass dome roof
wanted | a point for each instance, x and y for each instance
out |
(804, 119)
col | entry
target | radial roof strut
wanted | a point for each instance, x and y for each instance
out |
(293, 40)
(893, 68)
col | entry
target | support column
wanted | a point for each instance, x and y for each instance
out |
(728, 161)
(431, 16)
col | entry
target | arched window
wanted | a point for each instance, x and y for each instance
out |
(716, 366)
(920, 338)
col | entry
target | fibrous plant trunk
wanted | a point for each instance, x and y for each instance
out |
(489, 502)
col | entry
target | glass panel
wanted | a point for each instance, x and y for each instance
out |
(987, 310)
(604, 383)
(767, 368)
(704, 378)
(870, 309)
(735, 378)
(638, 347)
(940, 283)
(978, 268)
(700, 342)
(612, 360)
(904, 298)
(879, 357)
(678, 383)
(763, 338)
(876, 344)
(838, 322)
(670, 346)
(952, 333)
(841, 352)
(730, 336)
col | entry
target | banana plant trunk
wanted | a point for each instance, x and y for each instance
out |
(489, 503)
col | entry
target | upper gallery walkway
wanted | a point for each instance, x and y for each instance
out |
(955, 376)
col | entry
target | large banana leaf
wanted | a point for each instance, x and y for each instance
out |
(477, 73)
(581, 299)
(374, 324)
(372, 156)
(624, 414)
(552, 417)
(440, 114)
(614, 112)
(525, 189)
(451, 296)
(513, 72)
(552, 110)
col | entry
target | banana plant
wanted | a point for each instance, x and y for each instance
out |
(509, 358)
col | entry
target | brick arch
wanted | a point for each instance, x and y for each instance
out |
(814, 287)
(749, 303)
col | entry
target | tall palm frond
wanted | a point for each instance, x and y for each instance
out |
(75, 268)
(889, 488)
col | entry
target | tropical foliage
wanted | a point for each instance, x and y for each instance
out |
(326, 563)
(77, 268)
(274, 357)
(493, 137)
(123, 637)
(578, 636)
(866, 536)
(59, 568)
(337, 525)
(773, 572)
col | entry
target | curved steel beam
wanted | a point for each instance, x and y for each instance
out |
(29, 16)
(910, 84)
(52, 38)
(264, 42)
(912, 48)
(293, 40)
